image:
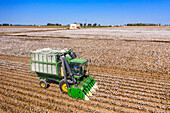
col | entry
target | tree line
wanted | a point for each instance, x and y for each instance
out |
(51, 24)
(81, 24)
(142, 24)
(89, 24)
(6, 24)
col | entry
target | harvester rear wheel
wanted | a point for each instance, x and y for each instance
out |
(43, 84)
(63, 86)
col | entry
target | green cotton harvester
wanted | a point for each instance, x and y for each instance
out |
(63, 67)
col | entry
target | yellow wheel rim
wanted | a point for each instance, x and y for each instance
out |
(64, 87)
(42, 84)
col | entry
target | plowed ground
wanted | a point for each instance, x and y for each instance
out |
(119, 91)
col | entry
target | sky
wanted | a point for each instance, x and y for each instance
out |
(104, 12)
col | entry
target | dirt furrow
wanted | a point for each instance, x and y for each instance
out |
(30, 79)
(142, 89)
(8, 107)
(129, 105)
(56, 94)
(105, 92)
(117, 80)
(9, 98)
(139, 87)
(132, 79)
(135, 95)
(119, 83)
(134, 101)
(106, 76)
(40, 100)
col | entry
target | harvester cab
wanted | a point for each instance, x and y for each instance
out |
(64, 67)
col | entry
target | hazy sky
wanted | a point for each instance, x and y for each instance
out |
(105, 12)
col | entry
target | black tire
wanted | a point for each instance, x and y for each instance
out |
(43, 84)
(63, 86)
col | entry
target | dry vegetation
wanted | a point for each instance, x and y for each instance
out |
(131, 66)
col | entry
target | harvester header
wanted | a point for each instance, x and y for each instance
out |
(63, 66)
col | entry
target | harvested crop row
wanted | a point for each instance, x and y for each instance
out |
(43, 97)
(101, 83)
(15, 65)
(27, 68)
(54, 94)
(22, 66)
(19, 59)
(61, 94)
(132, 79)
(120, 94)
(135, 95)
(5, 107)
(132, 90)
(118, 80)
(108, 81)
(34, 101)
(25, 76)
(121, 83)
(91, 102)
(109, 87)
(129, 105)
(22, 106)
(57, 86)
(135, 74)
(134, 101)
(97, 80)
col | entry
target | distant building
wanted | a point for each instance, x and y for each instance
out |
(74, 26)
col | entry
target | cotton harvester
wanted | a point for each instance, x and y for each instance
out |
(64, 67)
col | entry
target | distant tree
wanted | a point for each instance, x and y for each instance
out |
(5, 24)
(0, 24)
(95, 24)
(10, 24)
(142, 24)
(75, 22)
(84, 24)
(89, 24)
(57, 24)
(81, 24)
(49, 24)
(110, 25)
(159, 24)
(98, 24)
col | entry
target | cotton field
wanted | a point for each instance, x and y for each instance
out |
(130, 65)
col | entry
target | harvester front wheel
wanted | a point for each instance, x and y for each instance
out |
(63, 86)
(43, 84)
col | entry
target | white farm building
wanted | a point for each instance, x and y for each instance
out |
(74, 26)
